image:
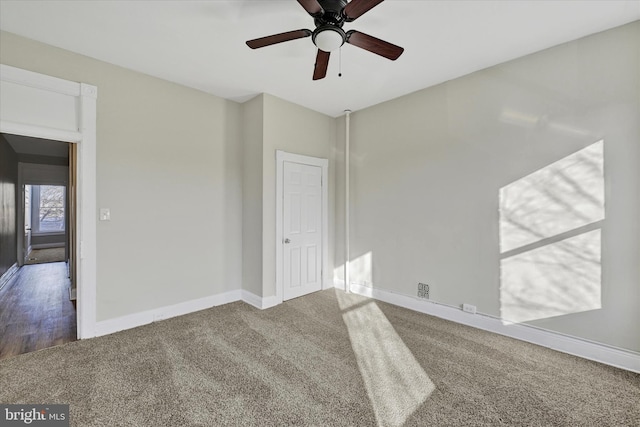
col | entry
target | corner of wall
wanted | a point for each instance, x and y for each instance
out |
(252, 122)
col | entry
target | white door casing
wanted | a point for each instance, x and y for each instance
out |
(26, 189)
(302, 218)
(41, 106)
(302, 229)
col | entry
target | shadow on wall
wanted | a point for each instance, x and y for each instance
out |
(550, 239)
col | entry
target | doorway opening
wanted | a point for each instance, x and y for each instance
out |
(37, 305)
(66, 111)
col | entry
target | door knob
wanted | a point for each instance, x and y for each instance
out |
(287, 241)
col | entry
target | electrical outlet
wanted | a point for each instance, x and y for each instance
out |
(469, 308)
(423, 290)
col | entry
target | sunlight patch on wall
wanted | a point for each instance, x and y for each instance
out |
(556, 279)
(563, 196)
(550, 238)
(396, 383)
(361, 270)
(338, 275)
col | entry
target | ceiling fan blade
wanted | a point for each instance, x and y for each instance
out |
(372, 44)
(278, 38)
(356, 8)
(322, 61)
(312, 7)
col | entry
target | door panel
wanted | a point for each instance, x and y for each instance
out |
(302, 230)
(294, 273)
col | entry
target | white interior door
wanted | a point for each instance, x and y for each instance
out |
(302, 229)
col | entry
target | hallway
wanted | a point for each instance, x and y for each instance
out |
(35, 310)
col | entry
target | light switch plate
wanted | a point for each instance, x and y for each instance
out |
(105, 214)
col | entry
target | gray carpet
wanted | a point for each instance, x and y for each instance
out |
(326, 359)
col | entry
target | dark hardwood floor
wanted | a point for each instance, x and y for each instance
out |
(35, 311)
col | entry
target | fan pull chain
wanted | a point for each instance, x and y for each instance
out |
(340, 62)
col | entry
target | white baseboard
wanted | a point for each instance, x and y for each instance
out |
(72, 294)
(145, 317)
(608, 355)
(259, 302)
(268, 302)
(4, 279)
(567, 344)
(134, 320)
(339, 284)
(252, 299)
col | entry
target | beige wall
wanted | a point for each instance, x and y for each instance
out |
(190, 179)
(8, 205)
(169, 166)
(427, 170)
(272, 124)
(252, 118)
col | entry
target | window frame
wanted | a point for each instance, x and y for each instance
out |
(35, 211)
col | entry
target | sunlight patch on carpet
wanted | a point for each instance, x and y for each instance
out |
(395, 382)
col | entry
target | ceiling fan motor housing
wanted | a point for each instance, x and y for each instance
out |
(333, 13)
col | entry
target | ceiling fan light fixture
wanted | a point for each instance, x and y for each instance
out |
(329, 17)
(328, 38)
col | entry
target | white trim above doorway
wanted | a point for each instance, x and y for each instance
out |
(281, 158)
(66, 112)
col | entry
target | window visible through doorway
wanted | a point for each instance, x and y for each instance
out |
(48, 209)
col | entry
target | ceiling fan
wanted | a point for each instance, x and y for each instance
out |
(329, 17)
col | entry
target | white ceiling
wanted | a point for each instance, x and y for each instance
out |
(201, 43)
